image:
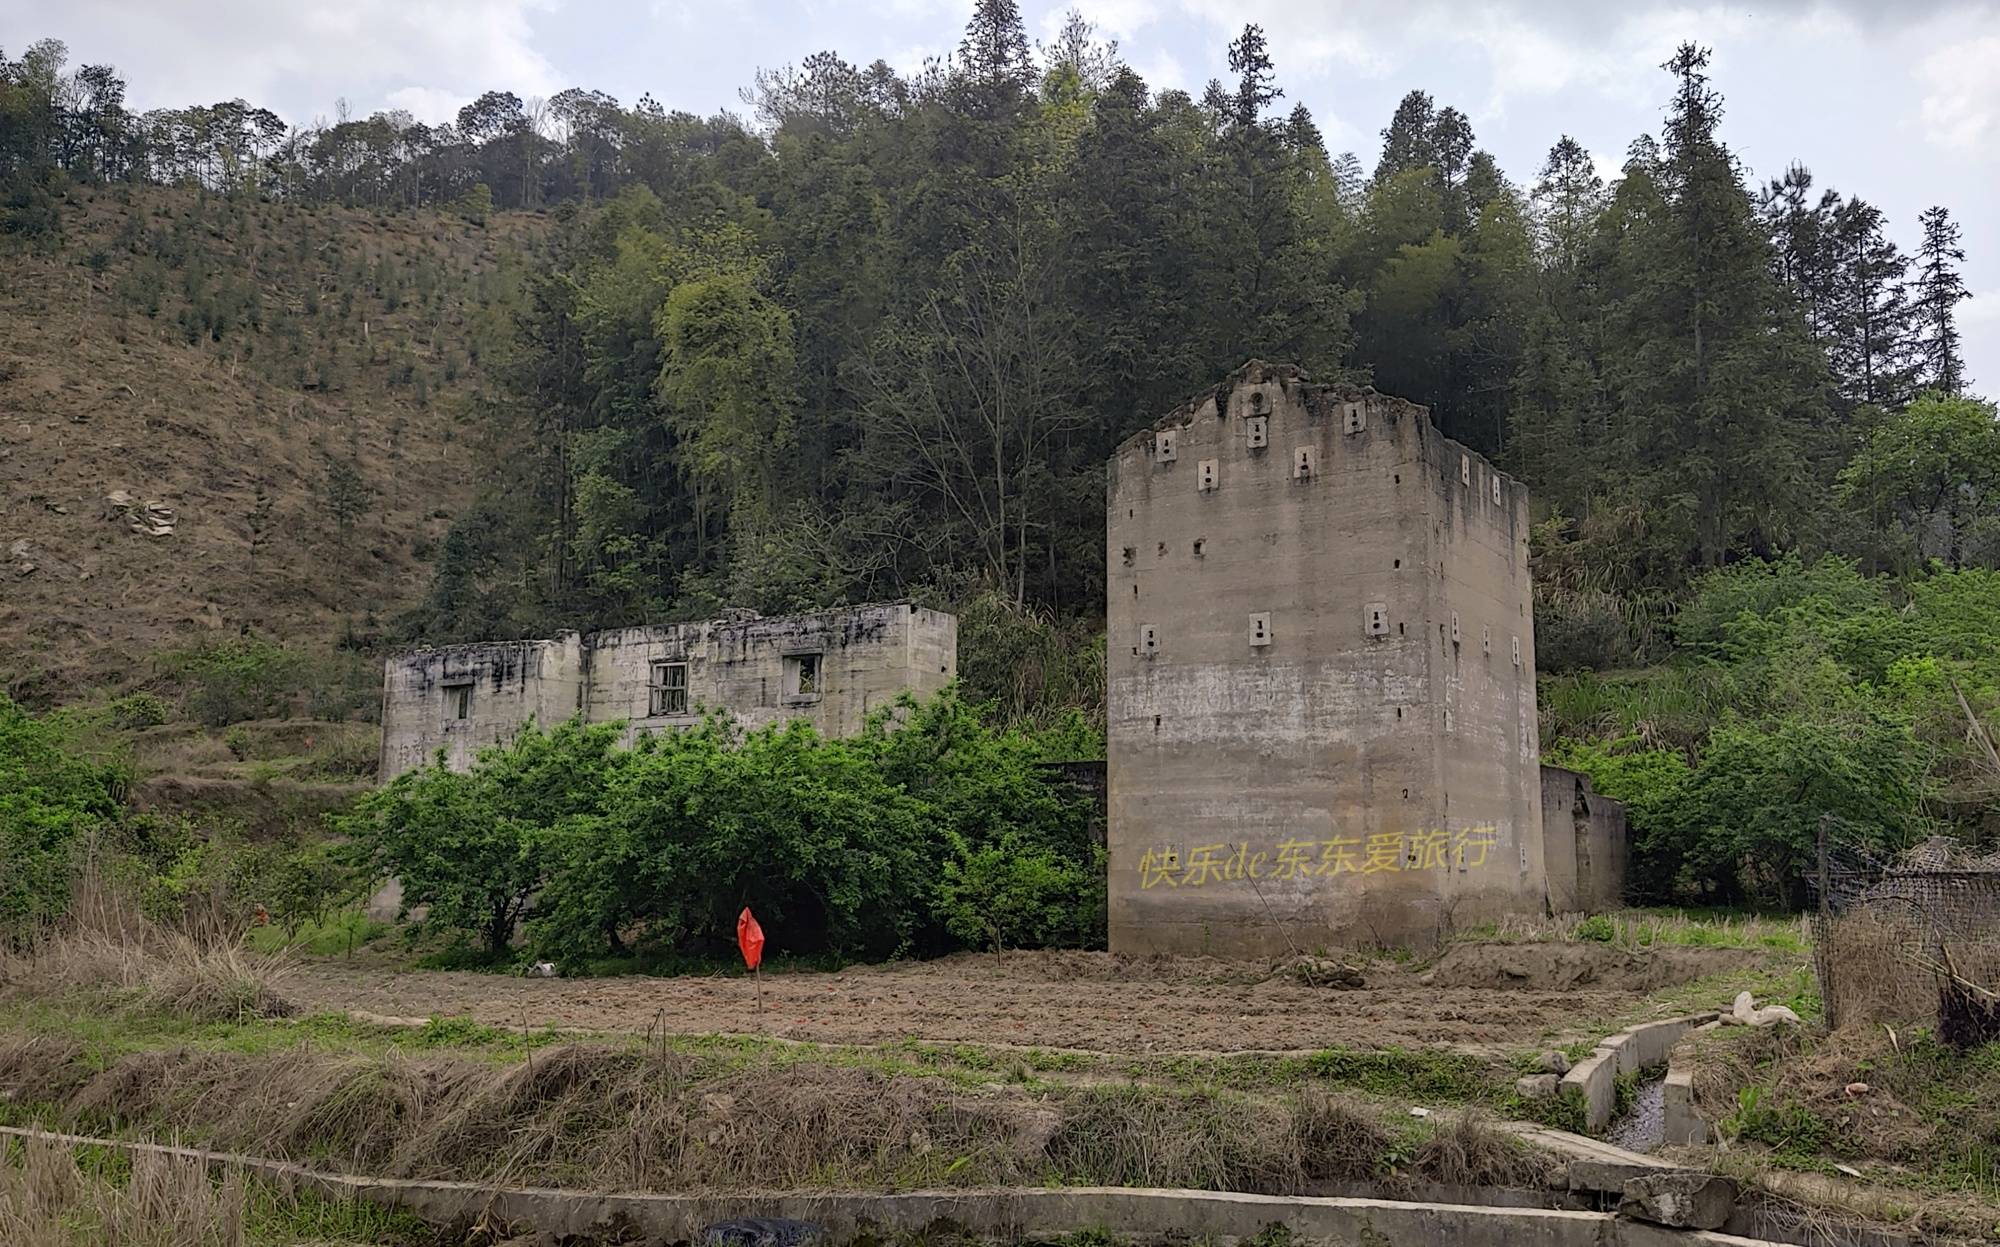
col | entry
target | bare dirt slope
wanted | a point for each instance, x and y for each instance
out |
(216, 356)
(1058, 1000)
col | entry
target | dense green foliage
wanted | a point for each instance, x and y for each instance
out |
(879, 342)
(1803, 690)
(64, 819)
(50, 800)
(929, 830)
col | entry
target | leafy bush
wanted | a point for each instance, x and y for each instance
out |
(222, 682)
(1580, 629)
(1597, 929)
(140, 710)
(1031, 665)
(29, 211)
(1748, 818)
(696, 825)
(470, 846)
(1024, 895)
(1760, 589)
(50, 799)
(1810, 690)
(225, 682)
(927, 830)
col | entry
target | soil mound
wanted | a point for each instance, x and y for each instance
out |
(1555, 967)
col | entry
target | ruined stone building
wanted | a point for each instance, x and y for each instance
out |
(830, 667)
(1321, 680)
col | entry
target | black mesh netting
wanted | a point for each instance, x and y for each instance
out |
(1914, 938)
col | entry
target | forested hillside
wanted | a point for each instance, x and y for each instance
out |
(876, 337)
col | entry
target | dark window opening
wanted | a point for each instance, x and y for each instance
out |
(668, 690)
(802, 675)
(457, 702)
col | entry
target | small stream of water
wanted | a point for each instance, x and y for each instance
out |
(1644, 1127)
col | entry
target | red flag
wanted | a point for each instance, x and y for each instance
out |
(750, 938)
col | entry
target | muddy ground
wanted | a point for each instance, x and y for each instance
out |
(1477, 996)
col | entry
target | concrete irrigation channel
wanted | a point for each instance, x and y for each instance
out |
(547, 1215)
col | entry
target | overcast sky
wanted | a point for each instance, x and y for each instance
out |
(1894, 100)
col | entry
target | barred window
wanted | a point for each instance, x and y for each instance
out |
(669, 688)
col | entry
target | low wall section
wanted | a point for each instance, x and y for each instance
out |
(1585, 842)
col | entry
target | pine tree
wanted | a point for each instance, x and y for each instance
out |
(1349, 181)
(1302, 136)
(1451, 149)
(993, 59)
(1939, 290)
(1718, 384)
(1483, 182)
(1078, 56)
(1250, 61)
(1867, 323)
(1407, 139)
(1567, 199)
(1802, 243)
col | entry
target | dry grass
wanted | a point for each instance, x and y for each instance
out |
(106, 946)
(48, 1200)
(1643, 929)
(1869, 952)
(1889, 965)
(1464, 1151)
(651, 1119)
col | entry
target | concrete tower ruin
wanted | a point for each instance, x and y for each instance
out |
(1321, 665)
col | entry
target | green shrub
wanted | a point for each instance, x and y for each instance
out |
(1597, 929)
(50, 800)
(1020, 894)
(929, 830)
(470, 845)
(140, 710)
(1760, 589)
(1580, 629)
(29, 211)
(224, 682)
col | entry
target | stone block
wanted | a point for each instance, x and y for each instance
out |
(1681, 1124)
(1595, 1080)
(1684, 1199)
(1537, 1086)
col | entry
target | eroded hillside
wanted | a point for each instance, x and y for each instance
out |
(275, 395)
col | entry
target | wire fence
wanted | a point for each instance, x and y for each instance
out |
(1912, 939)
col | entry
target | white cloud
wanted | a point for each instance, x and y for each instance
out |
(428, 104)
(299, 56)
(1308, 38)
(909, 61)
(1163, 71)
(1962, 105)
(1113, 19)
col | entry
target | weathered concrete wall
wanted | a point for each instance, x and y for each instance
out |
(1318, 731)
(1586, 841)
(866, 656)
(508, 682)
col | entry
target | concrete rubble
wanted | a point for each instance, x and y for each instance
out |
(1684, 1199)
(1746, 1013)
(150, 518)
(1537, 1086)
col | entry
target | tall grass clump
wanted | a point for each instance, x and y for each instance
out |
(106, 946)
